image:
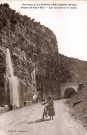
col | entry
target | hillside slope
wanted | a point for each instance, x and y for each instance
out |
(75, 69)
(78, 103)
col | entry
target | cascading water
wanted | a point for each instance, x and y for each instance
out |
(12, 80)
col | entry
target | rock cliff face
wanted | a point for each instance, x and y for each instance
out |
(34, 54)
(2, 75)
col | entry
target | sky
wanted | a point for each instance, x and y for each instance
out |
(69, 25)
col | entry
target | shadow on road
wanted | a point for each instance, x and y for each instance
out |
(37, 121)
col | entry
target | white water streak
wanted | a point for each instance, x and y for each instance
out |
(13, 81)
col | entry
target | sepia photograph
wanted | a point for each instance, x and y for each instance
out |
(43, 67)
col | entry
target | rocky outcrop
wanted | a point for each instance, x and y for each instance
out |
(33, 49)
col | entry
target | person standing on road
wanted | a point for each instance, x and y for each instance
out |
(51, 111)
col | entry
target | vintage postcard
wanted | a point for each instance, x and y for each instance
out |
(43, 67)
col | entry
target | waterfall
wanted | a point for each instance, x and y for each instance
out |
(12, 81)
(9, 67)
(33, 76)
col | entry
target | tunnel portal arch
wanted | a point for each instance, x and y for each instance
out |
(65, 86)
(69, 92)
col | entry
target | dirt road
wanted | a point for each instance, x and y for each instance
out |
(27, 121)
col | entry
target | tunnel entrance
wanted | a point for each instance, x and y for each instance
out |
(69, 92)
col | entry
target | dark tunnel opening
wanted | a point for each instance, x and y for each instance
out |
(69, 92)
